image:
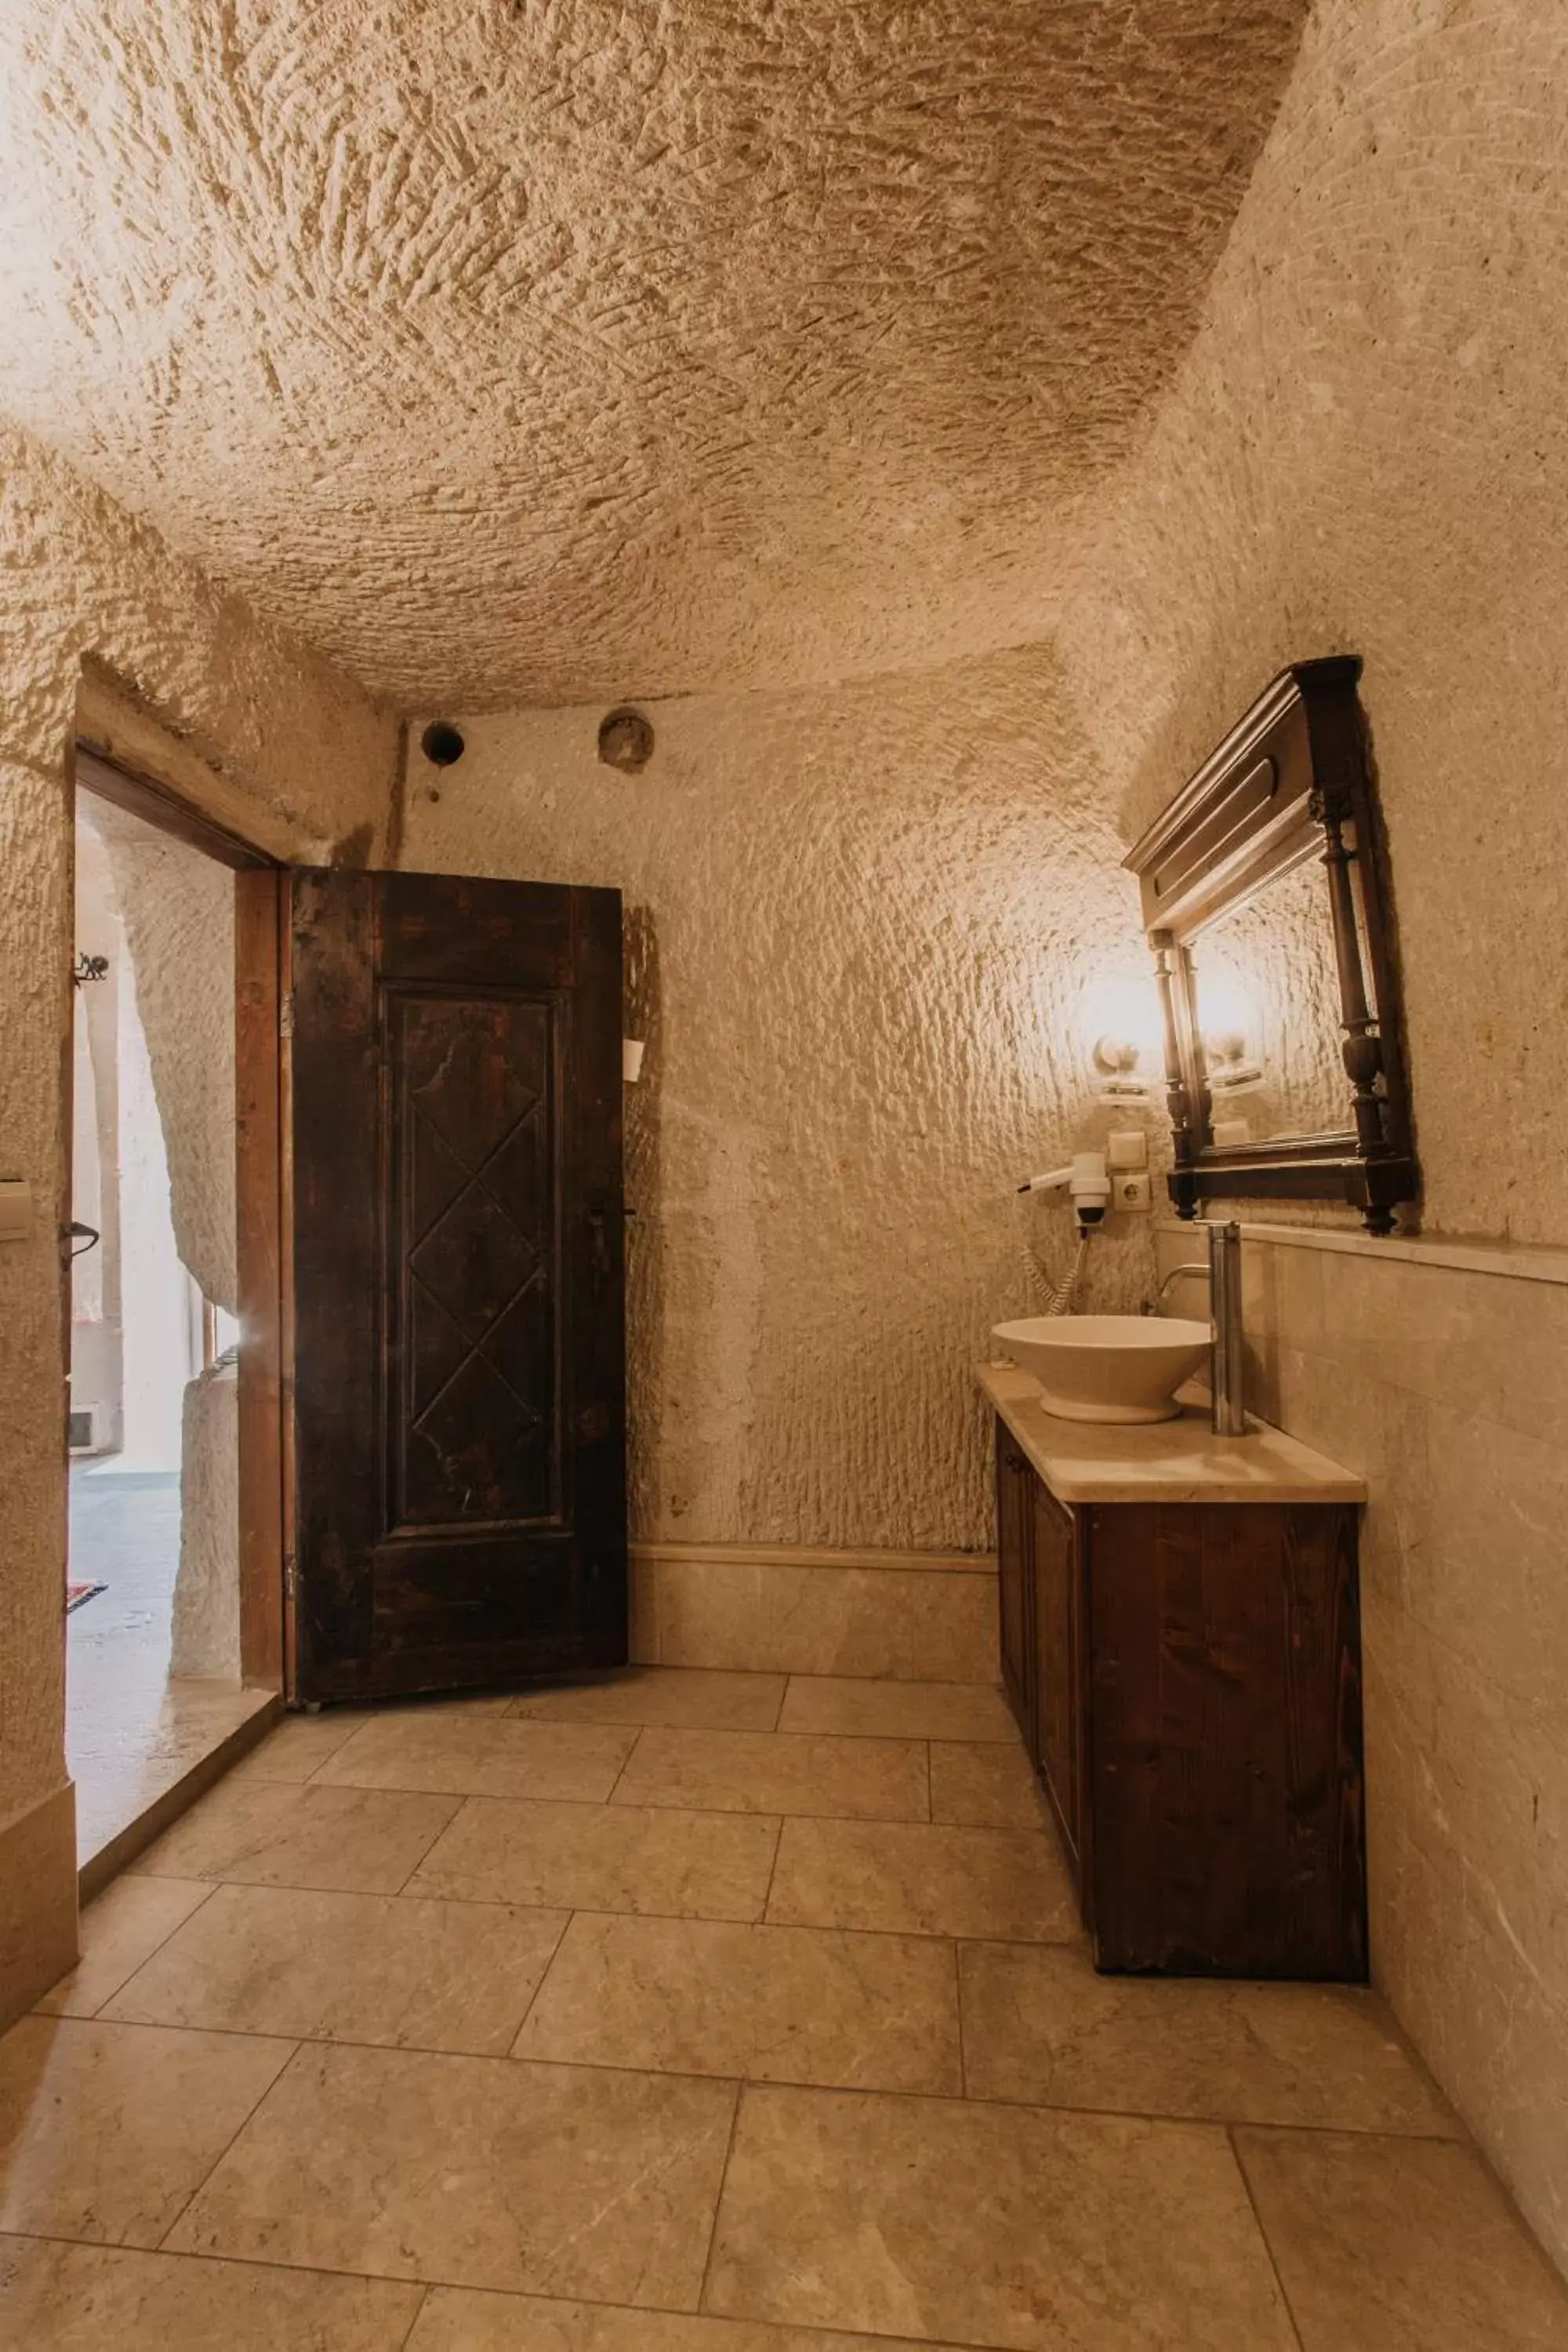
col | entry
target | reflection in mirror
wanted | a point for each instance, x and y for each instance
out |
(1267, 986)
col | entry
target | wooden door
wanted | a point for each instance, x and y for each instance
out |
(459, 1425)
(1016, 1483)
(1057, 1663)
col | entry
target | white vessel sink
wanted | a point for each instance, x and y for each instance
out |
(1106, 1367)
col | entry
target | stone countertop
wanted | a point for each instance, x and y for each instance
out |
(1162, 1461)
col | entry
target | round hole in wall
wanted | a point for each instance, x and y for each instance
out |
(626, 740)
(442, 743)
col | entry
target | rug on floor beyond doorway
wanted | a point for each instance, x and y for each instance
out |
(77, 1593)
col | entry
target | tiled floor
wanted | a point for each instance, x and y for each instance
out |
(702, 2012)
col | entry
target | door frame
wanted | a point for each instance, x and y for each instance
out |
(261, 1178)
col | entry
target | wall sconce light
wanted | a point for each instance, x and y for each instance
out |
(1229, 1019)
(1119, 1023)
(1232, 1070)
(1117, 1077)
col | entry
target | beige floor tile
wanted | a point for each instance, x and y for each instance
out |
(481, 1756)
(1040, 2026)
(1400, 2245)
(458, 2319)
(267, 1834)
(349, 1968)
(106, 2129)
(778, 1772)
(603, 1858)
(299, 1744)
(920, 1879)
(475, 2172)
(898, 1710)
(122, 1928)
(985, 1785)
(1005, 2226)
(105, 2299)
(778, 2004)
(687, 1698)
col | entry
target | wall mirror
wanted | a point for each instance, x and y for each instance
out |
(1265, 900)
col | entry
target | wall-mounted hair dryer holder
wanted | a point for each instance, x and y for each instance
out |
(1086, 1182)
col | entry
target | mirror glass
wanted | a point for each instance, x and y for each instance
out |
(1267, 991)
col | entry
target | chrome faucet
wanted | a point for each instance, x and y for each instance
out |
(1193, 1265)
(1229, 1412)
(1227, 1378)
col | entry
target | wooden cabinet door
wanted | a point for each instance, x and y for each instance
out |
(1058, 1664)
(1016, 1484)
(1227, 1745)
(459, 1415)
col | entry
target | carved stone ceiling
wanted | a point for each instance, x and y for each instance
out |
(536, 349)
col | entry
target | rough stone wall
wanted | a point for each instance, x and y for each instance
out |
(1367, 450)
(285, 742)
(869, 933)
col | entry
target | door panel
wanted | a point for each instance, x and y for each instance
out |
(459, 1418)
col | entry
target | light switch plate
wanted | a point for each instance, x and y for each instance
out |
(1133, 1189)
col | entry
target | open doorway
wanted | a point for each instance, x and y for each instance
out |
(156, 1686)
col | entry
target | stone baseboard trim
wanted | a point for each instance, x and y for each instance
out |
(776, 1609)
(912, 1563)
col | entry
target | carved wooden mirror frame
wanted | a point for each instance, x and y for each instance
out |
(1290, 781)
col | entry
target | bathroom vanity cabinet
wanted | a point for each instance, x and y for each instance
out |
(1181, 1645)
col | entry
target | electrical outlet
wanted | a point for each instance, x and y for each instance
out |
(1132, 1187)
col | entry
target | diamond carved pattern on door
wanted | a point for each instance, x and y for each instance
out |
(474, 1247)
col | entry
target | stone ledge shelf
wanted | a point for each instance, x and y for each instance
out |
(1160, 1462)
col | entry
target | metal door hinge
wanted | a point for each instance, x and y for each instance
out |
(286, 1016)
(290, 1576)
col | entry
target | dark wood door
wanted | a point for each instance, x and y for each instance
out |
(1057, 1663)
(458, 1423)
(1016, 1483)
